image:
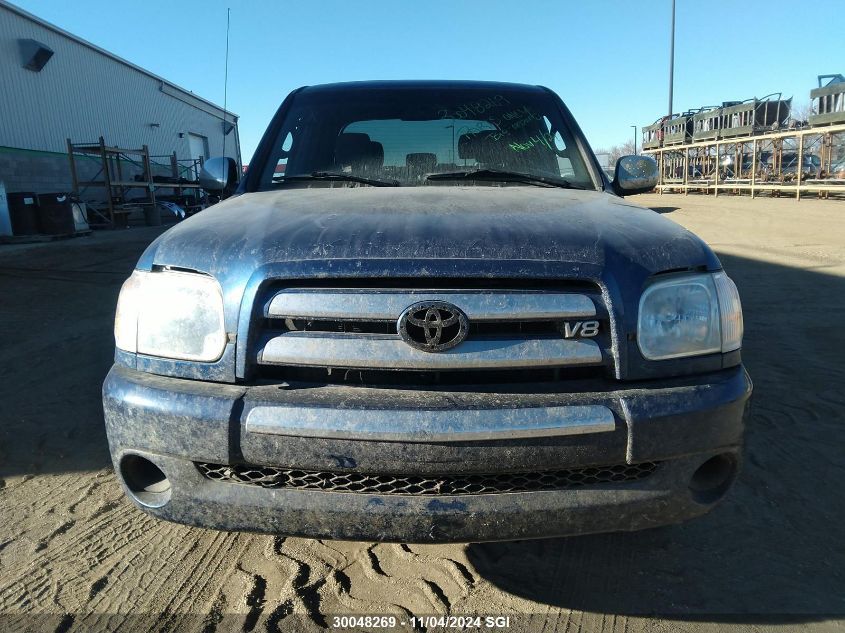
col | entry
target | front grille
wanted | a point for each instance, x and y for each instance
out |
(349, 335)
(471, 484)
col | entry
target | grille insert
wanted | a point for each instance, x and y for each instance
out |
(471, 484)
(503, 379)
(476, 328)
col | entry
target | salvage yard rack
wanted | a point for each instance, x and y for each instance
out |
(795, 162)
(117, 185)
(828, 101)
(755, 145)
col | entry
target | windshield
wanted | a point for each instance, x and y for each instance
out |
(403, 135)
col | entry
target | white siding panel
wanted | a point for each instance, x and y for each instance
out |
(83, 94)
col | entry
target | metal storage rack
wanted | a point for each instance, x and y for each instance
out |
(653, 134)
(111, 177)
(184, 175)
(706, 122)
(792, 162)
(111, 172)
(828, 101)
(755, 115)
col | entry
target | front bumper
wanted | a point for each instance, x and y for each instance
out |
(174, 423)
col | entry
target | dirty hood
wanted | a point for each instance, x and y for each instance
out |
(428, 231)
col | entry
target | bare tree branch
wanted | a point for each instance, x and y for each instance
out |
(616, 152)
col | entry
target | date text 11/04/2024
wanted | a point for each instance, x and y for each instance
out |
(388, 622)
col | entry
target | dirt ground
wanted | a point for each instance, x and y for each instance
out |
(75, 555)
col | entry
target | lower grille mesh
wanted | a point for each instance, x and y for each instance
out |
(471, 484)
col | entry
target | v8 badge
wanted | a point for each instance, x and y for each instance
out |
(579, 329)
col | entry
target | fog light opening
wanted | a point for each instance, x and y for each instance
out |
(713, 478)
(146, 482)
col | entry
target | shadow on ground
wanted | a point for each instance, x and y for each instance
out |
(774, 546)
(56, 326)
(664, 209)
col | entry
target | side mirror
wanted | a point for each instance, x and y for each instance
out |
(219, 175)
(634, 174)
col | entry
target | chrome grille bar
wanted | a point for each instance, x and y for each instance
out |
(431, 425)
(390, 352)
(388, 305)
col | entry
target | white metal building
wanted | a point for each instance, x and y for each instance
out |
(55, 86)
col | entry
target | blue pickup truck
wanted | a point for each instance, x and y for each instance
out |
(425, 314)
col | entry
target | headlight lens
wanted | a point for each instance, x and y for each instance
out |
(689, 316)
(171, 314)
(730, 310)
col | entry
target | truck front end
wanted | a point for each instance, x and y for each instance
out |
(386, 345)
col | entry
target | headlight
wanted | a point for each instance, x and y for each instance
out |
(730, 311)
(689, 316)
(172, 315)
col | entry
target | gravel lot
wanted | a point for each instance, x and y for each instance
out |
(75, 555)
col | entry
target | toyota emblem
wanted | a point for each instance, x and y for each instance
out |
(433, 326)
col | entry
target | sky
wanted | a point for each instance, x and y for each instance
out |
(607, 59)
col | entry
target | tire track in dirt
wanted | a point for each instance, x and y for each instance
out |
(309, 575)
(225, 551)
(266, 586)
(275, 619)
(442, 555)
(85, 496)
(76, 555)
(175, 577)
(98, 586)
(177, 580)
(80, 542)
(255, 600)
(62, 529)
(115, 530)
(390, 577)
(215, 615)
(65, 623)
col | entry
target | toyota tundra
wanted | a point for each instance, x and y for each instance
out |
(426, 314)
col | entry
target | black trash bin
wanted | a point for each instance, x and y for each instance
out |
(152, 215)
(55, 214)
(23, 212)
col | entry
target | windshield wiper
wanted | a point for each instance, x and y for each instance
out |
(505, 176)
(336, 175)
